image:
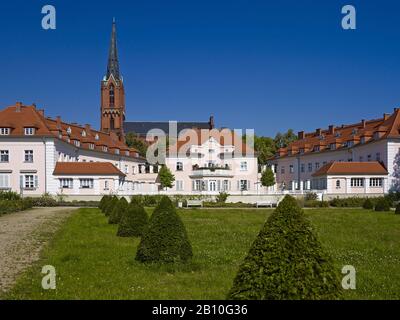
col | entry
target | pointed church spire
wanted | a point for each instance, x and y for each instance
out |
(113, 65)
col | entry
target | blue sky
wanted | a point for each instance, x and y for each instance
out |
(267, 65)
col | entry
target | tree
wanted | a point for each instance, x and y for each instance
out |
(268, 178)
(165, 177)
(264, 147)
(283, 140)
(133, 141)
(110, 205)
(286, 261)
(165, 240)
(118, 211)
(133, 221)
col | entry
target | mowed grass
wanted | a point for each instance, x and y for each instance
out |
(93, 263)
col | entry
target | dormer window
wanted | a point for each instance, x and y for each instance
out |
(337, 134)
(350, 144)
(362, 140)
(96, 137)
(354, 131)
(5, 131)
(127, 153)
(83, 133)
(105, 149)
(77, 143)
(376, 135)
(69, 130)
(29, 131)
(316, 148)
(116, 151)
(333, 146)
(91, 146)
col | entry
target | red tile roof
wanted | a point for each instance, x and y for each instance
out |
(352, 168)
(19, 117)
(340, 136)
(86, 168)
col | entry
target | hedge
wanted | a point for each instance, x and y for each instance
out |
(133, 222)
(382, 204)
(165, 240)
(286, 261)
(368, 204)
(9, 206)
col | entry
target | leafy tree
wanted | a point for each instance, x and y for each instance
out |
(133, 221)
(286, 261)
(283, 140)
(165, 177)
(268, 177)
(222, 197)
(133, 141)
(165, 240)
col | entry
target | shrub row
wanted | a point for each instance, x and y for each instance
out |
(9, 206)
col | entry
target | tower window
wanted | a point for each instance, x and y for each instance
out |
(112, 123)
(112, 96)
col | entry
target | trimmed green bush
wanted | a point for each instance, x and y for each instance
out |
(316, 204)
(165, 240)
(10, 206)
(110, 205)
(351, 202)
(286, 261)
(382, 204)
(118, 210)
(103, 202)
(133, 222)
(368, 204)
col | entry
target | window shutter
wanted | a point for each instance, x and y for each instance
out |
(193, 185)
(21, 181)
(36, 181)
(229, 186)
(248, 185)
(238, 185)
(218, 185)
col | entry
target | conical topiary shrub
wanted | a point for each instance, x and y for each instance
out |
(286, 261)
(110, 205)
(103, 202)
(118, 211)
(165, 239)
(133, 222)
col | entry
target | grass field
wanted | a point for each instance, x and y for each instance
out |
(92, 263)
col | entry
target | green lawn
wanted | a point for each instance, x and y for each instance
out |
(93, 263)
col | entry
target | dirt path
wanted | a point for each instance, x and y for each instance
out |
(22, 236)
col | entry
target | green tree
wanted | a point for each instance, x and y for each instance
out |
(165, 177)
(133, 141)
(283, 140)
(268, 177)
(286, 261)
(165, 240)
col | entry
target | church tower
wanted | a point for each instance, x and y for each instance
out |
(112, 92)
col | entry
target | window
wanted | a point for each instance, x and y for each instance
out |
(316, 148)
(4, 156)
(116, 151)
(333, 146)
(324, 163)
(29, 181)
(225, 185)
(362, 140)
(69, 130)
(126, 169)
(179, 185)
(179, 166)
(106, 185)
(375, 182)
(28, 156)
(77, 143)
(316, 165)
(244, 185)
(4, 131)
(337, 184)
(112, 96)
(91, 146)
(282, 170)
(302, 168)
(29, 131)
(105, 149)
(4, 181)
(310, 167)
(83, 133)
(378, 156)
(361, 158)
(243, 166)
(369, 157)
(357, 182)
(86, 183)
(211, 151)
(155, 169)
(96, 137)
(302, 151)
(66, 183)
(291, 168)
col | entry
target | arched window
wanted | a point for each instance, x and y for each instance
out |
(112, 96)
(112, 124)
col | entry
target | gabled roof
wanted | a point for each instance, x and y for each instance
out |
(142, 128)
(86, 168)
(20, 116)
(352, 168)
(359, 133)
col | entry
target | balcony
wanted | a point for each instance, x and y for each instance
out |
(216, 171)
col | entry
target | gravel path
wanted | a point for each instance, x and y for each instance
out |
(22, 236)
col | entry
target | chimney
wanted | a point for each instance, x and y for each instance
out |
(211, 122)
(300, 135)
(58, 121)
(395, 109)
(318, 131)
(18, 106)
(88, 129)
(41, 112)
(363, 123)
(386, 116)
(331, 129)
(34, 105)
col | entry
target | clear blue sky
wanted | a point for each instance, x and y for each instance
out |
(267, 65)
